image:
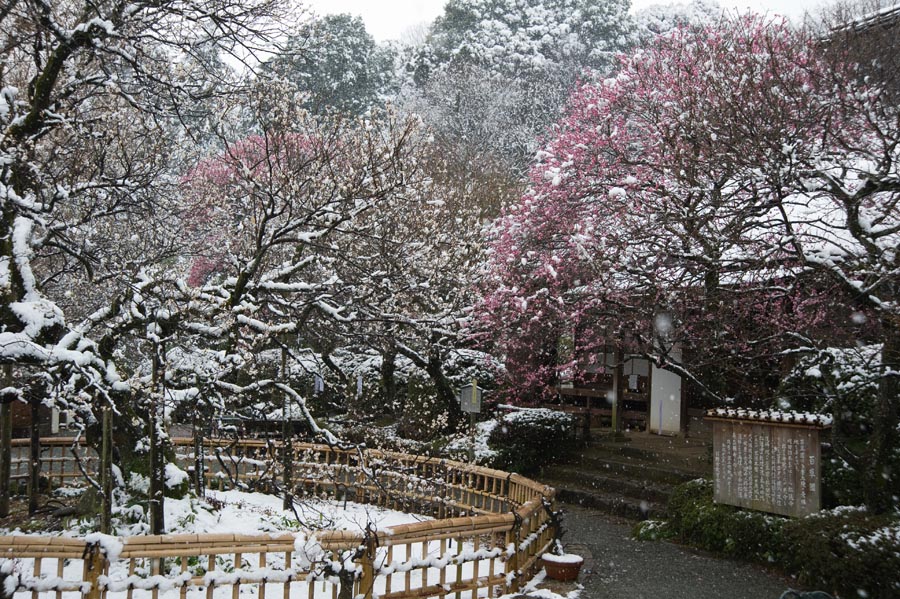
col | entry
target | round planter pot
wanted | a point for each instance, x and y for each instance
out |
(563, 567)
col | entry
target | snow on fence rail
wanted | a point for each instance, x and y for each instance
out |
(490, 529)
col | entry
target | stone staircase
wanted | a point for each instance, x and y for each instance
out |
(631, 476)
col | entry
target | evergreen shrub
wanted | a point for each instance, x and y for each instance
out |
(845, 551)
(527, 439)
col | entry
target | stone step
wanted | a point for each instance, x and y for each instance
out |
(699, 464)
(672, 450)
(610, 503)
(637, 470)
(576, 477)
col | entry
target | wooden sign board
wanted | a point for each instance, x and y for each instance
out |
(766, 466)
(468, 401)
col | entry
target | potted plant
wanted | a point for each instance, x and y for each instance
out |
(558, 564)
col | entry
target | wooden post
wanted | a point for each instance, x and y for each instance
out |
(287, 447)
(106, 472)
(5, 445)
(34, 458)
(618, 400)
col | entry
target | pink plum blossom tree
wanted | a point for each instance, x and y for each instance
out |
(732, 190)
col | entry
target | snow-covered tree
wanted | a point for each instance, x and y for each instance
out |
(87, 89)
(337, 62)
(495, 73)
(518, 37)
(409, 275)
(660, 19)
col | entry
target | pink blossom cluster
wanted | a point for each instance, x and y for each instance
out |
(695, 184)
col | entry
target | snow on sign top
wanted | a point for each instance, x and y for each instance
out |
(772, 416)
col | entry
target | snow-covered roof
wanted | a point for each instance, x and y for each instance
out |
(885, 17)
(772, 416)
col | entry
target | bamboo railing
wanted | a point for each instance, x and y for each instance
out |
(489, 531)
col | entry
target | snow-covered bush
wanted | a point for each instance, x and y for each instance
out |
(846, 550)
(696, 520)
(459, 446)
(526, 439)
(463, 365)
(842, 381)
(836, 380)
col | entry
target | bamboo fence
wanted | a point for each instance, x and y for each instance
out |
(489, 531)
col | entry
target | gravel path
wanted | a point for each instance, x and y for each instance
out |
(619, 567)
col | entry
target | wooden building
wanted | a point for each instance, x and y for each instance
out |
(51, 420)
(625, 391)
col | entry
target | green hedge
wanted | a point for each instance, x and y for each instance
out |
(844, 551)
(526, 439)
(726, 530)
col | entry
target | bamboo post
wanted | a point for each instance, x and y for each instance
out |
(210, 566)
(184, 568)
(37, 575)
(442, 576)
(459, 568)
(131, 566)
(156, 567)
(367, 562)
(157, 497)
(60, 564)
(512, 564)
(286, 594)
(238, 565)
(262, 564)
(93, 567)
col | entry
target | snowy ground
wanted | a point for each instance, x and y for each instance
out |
(257, 513)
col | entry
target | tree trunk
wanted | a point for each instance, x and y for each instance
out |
(445, 391)
(388, 381)
(34, 461)
(287, 447)
(878, 475)
(106, 472)
(157, 473)
(199, 458)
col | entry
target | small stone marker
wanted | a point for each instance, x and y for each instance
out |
(768, 461)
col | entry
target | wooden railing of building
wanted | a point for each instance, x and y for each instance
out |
(489, 531)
